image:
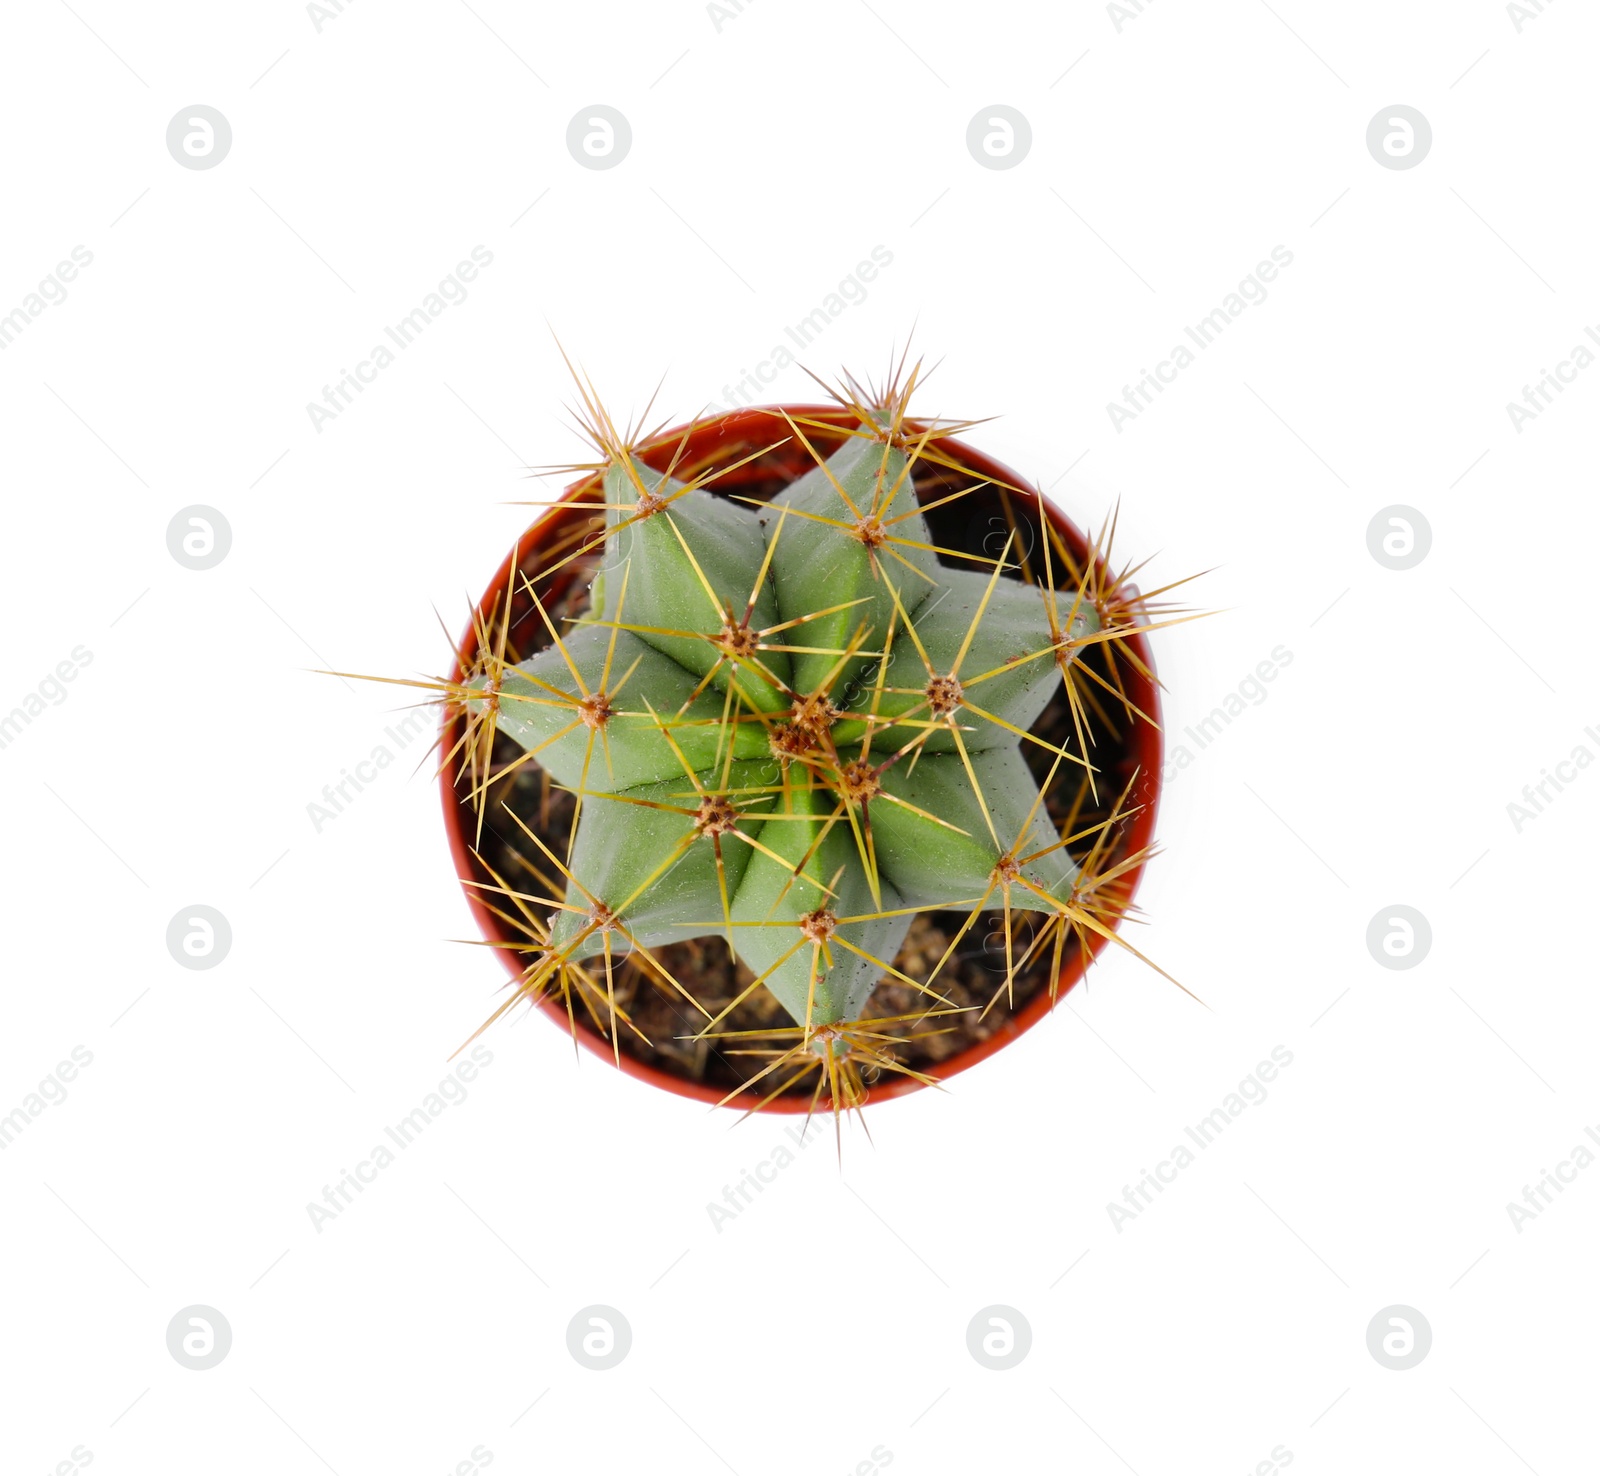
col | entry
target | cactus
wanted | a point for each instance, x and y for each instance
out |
(794, 725)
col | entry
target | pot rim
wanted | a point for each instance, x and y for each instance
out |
(1146, 742)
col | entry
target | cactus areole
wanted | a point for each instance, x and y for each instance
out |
(788, 661)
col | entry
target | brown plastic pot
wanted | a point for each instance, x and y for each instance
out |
(724, 439)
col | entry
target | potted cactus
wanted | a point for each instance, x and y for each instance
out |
(801, 754)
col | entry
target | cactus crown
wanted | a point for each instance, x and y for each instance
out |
(794, 725)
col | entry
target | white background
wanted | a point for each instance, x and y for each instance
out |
(771, 152)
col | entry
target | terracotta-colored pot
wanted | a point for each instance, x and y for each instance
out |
(723, 439)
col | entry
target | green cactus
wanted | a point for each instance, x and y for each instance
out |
(795, 725)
